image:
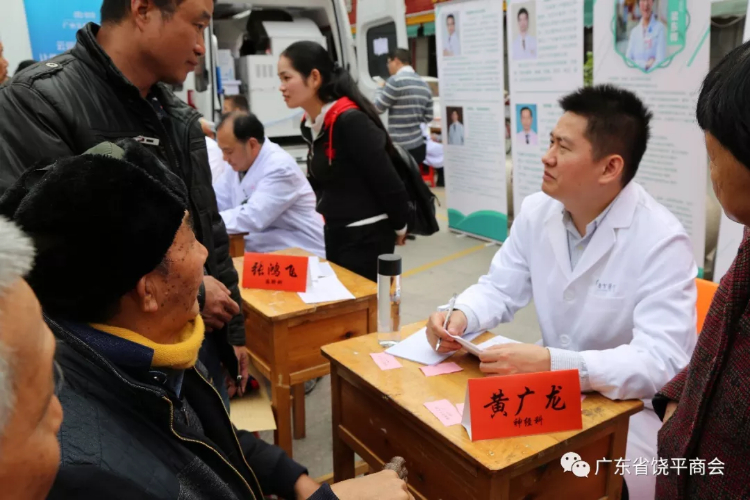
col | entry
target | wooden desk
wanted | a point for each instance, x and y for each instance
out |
(381, 414)
(237, 245)
(284, 337)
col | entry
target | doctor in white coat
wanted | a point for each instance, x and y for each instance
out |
(610, 270)
(265, 194)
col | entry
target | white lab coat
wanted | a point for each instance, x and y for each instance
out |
(216, 160)
(434, 156)
(456, 134)
(452, 44)
(521, 138)
(273, 203)
(523, 51)
(628, 307)
(649, 45)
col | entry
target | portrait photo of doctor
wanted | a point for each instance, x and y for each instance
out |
(647, 43)
(526, 123)
(611, 272)
(524, 44)
(451, 41)
(456, 134)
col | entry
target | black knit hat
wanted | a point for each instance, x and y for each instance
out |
(100, 222)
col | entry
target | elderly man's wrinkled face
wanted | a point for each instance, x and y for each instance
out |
(29, 451)
(175, 284)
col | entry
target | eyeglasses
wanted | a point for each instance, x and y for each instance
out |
(58, 377)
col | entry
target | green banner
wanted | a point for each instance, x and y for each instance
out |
(676, 22)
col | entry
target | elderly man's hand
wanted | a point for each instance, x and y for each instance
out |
(456, 327)
(669, 411)
(384, 485)
(219, 308)
(243, 363)
(509, 359)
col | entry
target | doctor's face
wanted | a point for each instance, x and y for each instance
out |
(526, 119)
(570, 171)
(239, 155)
(523, 23)
(731, 181)
(450, 23)
(454, 117)
(647, 8)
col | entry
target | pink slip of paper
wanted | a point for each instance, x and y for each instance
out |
(445, 412)
(385, 361)
(441, 369)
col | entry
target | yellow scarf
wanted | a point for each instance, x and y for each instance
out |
(180, 356)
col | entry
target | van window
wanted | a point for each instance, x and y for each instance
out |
(380, 40)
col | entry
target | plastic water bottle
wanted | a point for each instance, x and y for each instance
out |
(389, 300)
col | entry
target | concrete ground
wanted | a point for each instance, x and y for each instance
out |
(435, 268)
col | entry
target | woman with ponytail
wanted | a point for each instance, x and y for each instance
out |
(360, 194)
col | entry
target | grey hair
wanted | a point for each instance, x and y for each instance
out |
(16, 259)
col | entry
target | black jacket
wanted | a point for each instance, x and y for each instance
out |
(76, 100)
(361, 181)
(127, 435)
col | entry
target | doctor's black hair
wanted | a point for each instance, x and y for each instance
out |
(724, 104)
(336, 83)
(114, 11)
(522, 10)
(526, 108)
(245, 126)
(618, 123)
(450, 16)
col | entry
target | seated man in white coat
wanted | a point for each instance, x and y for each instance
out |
(265, 194)
(610, 270)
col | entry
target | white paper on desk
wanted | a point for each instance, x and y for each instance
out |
(417, 348)
(325, 269)
(466, 416)
(313, 271)
(327, 289)
(476, 349)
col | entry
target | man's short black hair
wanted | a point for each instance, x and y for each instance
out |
(402, 55)
(724, 104)
(522, 10)
(526, 108)
(450, 16)
(239, 101)
(114, 11)
(246, 126)
(618, 123)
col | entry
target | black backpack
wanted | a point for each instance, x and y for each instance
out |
(421, 217)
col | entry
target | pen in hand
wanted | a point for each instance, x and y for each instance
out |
(451, 305)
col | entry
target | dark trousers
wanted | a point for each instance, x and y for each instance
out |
(209, 356)
(419, 153)
(357, 248)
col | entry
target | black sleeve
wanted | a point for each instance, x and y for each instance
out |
(91, 481)
(224, 270)
(364, 142)
(31, 130)
(324, 493)
(276, 472)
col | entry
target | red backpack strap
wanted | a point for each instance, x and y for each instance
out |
(343, 104)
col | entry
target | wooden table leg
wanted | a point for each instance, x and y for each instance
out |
(343, 456)
(298, 407)
(617, 450)
(280, 390)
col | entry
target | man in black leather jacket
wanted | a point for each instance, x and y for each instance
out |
(110, 86)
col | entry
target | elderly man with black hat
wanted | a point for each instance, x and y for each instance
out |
(117, 273)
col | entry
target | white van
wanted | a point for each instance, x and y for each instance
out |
(248, 37)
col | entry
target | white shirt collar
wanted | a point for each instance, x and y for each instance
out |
(317, 125)
(405, 68)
